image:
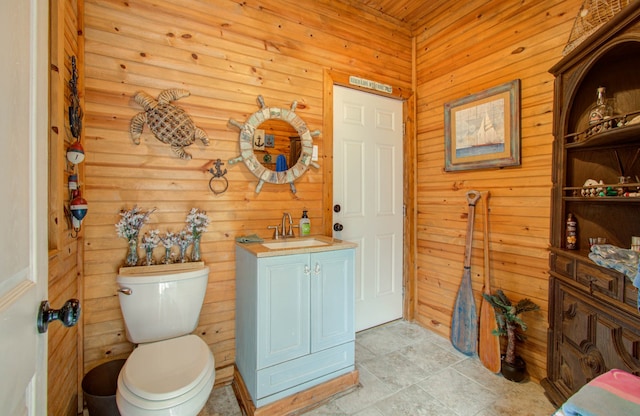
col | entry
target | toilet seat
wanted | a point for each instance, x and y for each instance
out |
(165, 374)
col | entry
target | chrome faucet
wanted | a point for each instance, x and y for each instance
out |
(286, 233)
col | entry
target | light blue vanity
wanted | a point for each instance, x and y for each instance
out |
(294, 315)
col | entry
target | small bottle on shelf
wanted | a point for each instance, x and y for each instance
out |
(571, 233)
(602, 109)
(305, 225)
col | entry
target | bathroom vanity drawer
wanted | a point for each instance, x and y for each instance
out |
(291, 376)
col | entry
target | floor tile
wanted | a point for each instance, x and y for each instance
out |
(406, 369)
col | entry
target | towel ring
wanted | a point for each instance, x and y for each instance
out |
(223, 183)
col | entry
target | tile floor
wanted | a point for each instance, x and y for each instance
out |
(408, 370)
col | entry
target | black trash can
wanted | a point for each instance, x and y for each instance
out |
(99, 386)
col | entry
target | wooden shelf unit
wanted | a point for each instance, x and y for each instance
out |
(594, 323)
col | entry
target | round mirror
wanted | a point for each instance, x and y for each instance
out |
(275, 144)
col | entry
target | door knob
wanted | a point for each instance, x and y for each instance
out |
(69, 314)
(337, 208)
(337, 227)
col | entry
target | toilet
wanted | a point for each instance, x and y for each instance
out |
(171, 371)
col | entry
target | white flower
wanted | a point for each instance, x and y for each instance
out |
(169, 240)
(131, 222)
(184, 238)
(150, 240)
(197, 221)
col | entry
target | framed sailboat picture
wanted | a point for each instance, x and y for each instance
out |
(482, 130)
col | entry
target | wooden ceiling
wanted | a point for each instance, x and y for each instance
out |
(411, 13)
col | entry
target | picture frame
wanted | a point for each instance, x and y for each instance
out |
(258, 140)
(269, 140)
(482, 130)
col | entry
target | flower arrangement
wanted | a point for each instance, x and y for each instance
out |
(168, 240)
(132, 221)
(150, 241)
(197, 222)
(184, 239)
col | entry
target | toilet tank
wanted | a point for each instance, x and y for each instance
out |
(161, 305)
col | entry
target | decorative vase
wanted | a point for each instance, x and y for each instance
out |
(149, 257)
(132, 256)
(183, 253)
(514, 372)
(167, 255)
(195, 254)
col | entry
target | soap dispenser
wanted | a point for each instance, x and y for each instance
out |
(305, 225)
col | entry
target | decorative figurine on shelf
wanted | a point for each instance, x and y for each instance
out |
(197, 222)
(571, 233)
(602, 110)
(169, 123)
(131, 221)
(150, 241)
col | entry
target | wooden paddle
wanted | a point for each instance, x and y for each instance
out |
(464, 323)
(489, 344)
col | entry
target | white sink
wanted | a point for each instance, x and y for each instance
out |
(293, 243)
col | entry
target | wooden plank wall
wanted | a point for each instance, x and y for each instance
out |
(466, 48)
(65, 259)
(225, 53)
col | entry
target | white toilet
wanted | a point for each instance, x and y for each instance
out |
(171, 372)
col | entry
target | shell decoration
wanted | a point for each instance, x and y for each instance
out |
(169, 123)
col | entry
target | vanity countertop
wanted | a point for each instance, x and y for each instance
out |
(296, 245)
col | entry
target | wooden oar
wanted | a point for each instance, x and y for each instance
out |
(489, 344)
(464, 323)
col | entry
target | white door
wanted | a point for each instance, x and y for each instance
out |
(23, 208)
(368, 187)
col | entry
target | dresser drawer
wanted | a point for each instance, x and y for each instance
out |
(630, 294)
(563, 265)
(600, 280)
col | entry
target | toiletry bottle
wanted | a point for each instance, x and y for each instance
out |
(305, 225)
(571, 242)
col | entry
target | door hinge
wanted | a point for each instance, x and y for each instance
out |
(404, 128)
(404, 210)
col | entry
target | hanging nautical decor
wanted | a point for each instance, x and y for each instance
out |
(75, 153)
(169, 123)
(248, 133)
(75, 111)
(78, 206)
(218, 182)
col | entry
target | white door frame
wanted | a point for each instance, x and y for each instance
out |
(332, 78)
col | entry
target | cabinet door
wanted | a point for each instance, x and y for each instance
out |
(332, 298)
(283, 309)
(592, 338)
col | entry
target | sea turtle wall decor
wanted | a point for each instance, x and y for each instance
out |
(169, 123)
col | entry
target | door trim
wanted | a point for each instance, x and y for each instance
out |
(409, 272)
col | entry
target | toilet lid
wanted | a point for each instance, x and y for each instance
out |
(166, 369)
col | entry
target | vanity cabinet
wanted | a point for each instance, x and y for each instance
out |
(294, 321)
(594, 323)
